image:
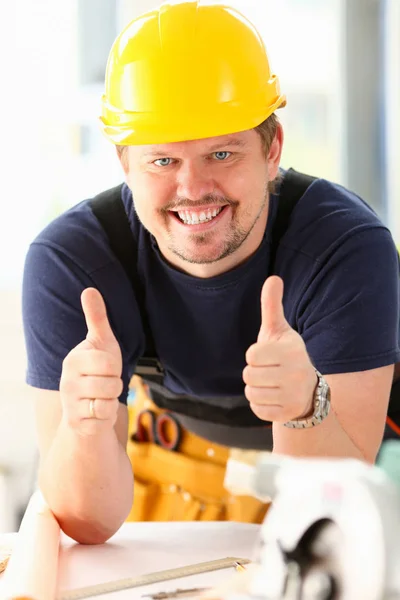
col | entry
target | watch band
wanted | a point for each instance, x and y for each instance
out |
(322, 404)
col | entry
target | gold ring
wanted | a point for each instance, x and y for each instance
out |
(92, 413)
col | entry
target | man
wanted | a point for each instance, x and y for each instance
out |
(189, 103)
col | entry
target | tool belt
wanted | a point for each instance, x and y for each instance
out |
(179, 476)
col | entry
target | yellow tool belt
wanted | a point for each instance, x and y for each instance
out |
(186, 484)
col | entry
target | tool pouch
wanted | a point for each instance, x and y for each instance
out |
(182, 485)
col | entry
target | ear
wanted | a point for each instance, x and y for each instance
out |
(274, 154)
(122, 153)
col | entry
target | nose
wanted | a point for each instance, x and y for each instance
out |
(194, 181)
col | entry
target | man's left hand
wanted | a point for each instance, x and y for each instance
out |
(280, 378)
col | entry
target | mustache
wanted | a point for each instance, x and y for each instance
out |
(208, 200)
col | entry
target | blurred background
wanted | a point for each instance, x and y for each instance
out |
(339, 65)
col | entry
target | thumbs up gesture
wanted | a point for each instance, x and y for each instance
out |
(91, 375)
(279, 376)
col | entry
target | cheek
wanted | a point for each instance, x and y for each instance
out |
(150, 195)
(251, 194)
(249, 183)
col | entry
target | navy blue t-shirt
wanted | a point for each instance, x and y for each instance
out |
(341, 275)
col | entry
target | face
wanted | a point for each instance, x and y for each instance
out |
(204, 201)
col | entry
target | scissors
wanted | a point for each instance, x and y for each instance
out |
(163, 430)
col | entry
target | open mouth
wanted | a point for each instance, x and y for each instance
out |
(190, 217)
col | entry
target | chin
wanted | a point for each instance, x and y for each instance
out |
(201, 258)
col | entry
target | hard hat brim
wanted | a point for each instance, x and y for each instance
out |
(143, 129)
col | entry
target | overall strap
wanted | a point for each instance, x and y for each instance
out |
(293, 187)
(110, 212)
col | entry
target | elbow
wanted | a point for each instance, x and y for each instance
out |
(87, 532)
(93, 538)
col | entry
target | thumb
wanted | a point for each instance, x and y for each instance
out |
(273, 322)
(99, 332)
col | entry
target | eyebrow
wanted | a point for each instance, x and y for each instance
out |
(232, 142)
(236, 142)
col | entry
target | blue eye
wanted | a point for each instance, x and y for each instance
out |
(163, 162)
(222, 155)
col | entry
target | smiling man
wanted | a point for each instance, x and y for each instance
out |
(266, 337)
(205, 201)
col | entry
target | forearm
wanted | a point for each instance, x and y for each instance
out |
(88, 483)
(353, 429)
(328, 439)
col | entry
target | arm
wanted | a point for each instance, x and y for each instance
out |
(280, 385)
(346, 324)
(354, 426)
(73, 356)
(85, 473)
(93, 496)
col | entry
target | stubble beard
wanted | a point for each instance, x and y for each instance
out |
(237, 236)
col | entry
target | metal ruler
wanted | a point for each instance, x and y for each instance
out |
(148, 578)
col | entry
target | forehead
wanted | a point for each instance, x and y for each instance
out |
(244, 140)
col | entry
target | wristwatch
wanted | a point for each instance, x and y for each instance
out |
(322, 404)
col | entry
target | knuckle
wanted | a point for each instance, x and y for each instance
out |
(112, 388)
(246, 374)
(120, 387)
(250, 393)
(109, 365)
(268, 413)
(251, 355)
(68, 362)
(67, 386)
(262, 412)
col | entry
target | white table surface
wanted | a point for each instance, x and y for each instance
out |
(139, 548)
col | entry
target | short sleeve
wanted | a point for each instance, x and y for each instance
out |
(349, 312)
(53, 319)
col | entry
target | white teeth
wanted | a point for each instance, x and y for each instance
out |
(193, 218)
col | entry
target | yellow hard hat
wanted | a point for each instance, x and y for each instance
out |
(187, 71)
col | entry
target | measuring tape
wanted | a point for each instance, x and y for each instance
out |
(148, 578)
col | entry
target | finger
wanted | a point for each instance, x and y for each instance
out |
(96, 362)
(273, 322)
(99, 387)
(264, 377)
(269, 413)
(99, 332)
(265, 354)
(264, 396)
(104, 410)
(272, 404)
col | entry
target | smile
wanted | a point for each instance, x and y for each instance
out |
(191, 217)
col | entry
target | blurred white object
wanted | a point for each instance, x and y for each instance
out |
(332, 533)
(239, 473)
(32, 568)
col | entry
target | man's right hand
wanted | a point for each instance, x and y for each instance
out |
(92, 371)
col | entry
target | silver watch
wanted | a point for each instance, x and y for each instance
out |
(322, 404)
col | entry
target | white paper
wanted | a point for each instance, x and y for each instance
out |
(140, 548)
